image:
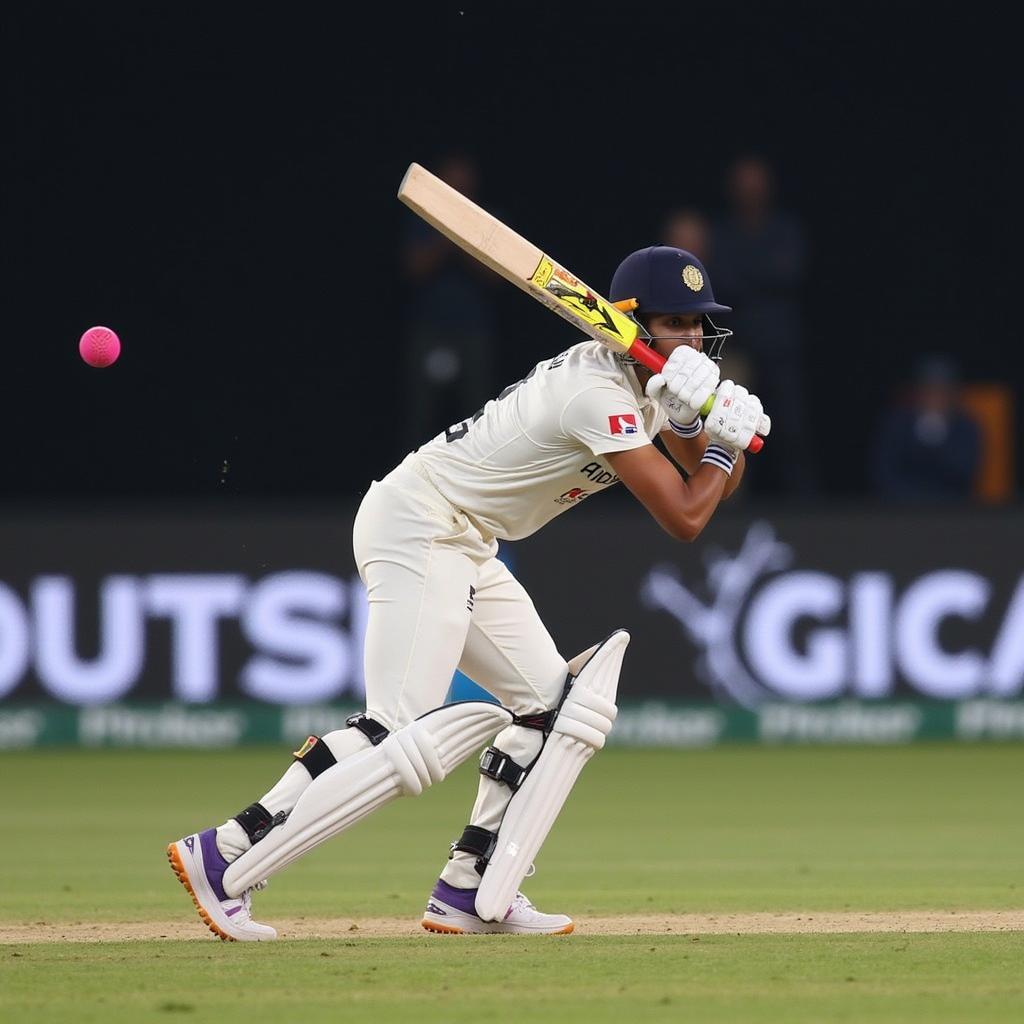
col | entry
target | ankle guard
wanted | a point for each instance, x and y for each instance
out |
(480, 841)
(256, 821)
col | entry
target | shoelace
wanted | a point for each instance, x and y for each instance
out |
(247, 895)
(522, 903)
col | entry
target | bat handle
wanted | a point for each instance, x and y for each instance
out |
(655, 362)
(645, 355)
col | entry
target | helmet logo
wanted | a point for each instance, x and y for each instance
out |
(693, 278)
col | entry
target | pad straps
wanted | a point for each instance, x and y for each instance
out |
(256, 821)
(315, 756)
(373, 731)
(541, 720)
(496, 764)
(479, 841)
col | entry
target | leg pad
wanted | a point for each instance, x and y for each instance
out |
(584, 720)
(404, 764)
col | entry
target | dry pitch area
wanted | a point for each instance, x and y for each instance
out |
(910, 921)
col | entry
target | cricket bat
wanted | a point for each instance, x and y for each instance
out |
(507, 253)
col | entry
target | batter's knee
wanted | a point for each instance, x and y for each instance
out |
(530, 696)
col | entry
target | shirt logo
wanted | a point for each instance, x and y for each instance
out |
(623, 423)
(571, 496)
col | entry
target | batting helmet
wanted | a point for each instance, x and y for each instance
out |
(665, 280)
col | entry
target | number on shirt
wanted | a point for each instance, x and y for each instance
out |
(460, 430)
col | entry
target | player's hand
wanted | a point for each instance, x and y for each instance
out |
(736, 417)
(687, 380)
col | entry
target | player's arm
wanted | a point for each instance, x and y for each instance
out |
(737, 474)
(688, 451)
(681, 507)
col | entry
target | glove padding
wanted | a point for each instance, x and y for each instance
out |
(736, 417)
(687, 380)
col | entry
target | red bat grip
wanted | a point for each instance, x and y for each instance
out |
(655, 362)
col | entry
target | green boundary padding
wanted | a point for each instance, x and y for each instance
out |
(639, 724)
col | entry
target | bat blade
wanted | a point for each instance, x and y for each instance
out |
(520, 262)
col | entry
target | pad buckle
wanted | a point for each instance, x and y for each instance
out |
(278, 819)
(497, 765)
(373, 731)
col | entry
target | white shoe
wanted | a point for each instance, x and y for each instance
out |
(452, 911)
(200, 868)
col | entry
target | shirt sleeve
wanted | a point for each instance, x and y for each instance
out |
(604, 420)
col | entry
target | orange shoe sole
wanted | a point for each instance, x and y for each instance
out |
(179, 869)
(444, 929)
(441, 929)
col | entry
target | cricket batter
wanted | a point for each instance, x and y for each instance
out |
(425, 541)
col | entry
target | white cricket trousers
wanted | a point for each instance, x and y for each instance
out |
(440, 600)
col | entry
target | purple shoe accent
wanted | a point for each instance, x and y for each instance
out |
(233, 911)
(461, 899)
(213, 863)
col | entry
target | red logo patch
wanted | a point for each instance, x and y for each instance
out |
(623, 423)
(572, 496)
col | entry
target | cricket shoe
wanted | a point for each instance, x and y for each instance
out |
(453, 911)
(200, 868)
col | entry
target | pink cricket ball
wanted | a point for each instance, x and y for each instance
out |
(99, 346)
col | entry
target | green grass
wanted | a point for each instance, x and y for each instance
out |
(730, 829)
(750, 978)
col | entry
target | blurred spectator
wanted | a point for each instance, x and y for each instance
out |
(687, 228)
(756, 259)
(928, 447)
(452, 323)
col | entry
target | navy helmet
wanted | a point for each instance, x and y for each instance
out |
(665, 280)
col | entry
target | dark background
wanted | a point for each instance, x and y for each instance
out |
(217, 183)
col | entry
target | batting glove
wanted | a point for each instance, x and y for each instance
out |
(735, 418)
(686, 381)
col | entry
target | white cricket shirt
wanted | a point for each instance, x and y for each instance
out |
(535, 451)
